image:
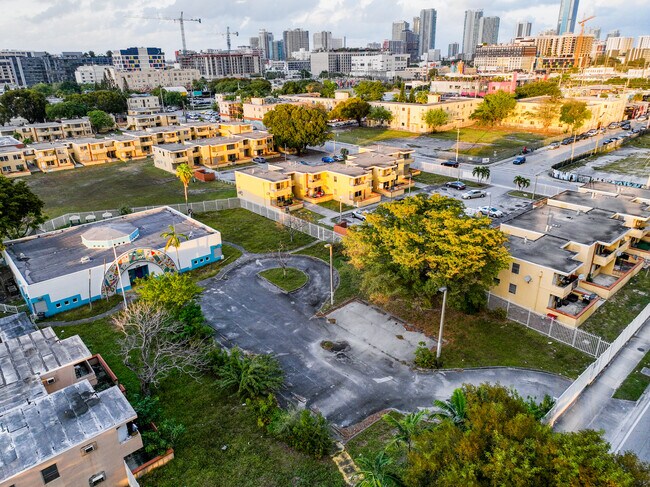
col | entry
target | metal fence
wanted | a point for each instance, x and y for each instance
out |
(574, 337)
(587, 377)
(14, 310)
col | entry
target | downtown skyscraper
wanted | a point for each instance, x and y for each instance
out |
(427, 30)
(470, 32)
(566, 21)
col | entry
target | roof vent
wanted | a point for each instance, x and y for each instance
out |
(85, 259)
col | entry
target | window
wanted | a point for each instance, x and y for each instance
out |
(50, 473)
(512, 288)
(515, 268)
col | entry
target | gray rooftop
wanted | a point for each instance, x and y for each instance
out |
(369, 159)
(546, 251)
(617, 189)
(165, 128)
(13, 326)
(214, 141)
(255, 134)
(45, 125)
(290, 167)
(175, 147)
(33, 433)
(9, 150)
(58, 253)
(8, 141)
(620, 203)
(75, 120)
(273, 176)
(47, 145)
(90, 140)
(389, 149)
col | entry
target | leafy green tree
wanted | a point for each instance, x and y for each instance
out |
(380, 114)
(67, 88)
(170, 98)
(435, 117)
(521, 182)
(407, 427)
(494, 108)
(454, 409)
(328, 89)
(184, 174)
(109, 101)
(303, 430)
(66, 109)
(296, 127)
(100, 120)
(370, 90)
(351, 109)
(20, 209)
(251, 376)
(574, 113)
(411, 248)
(29, 104)
(481, 172)
(44, 88)
(546, 112)
(170, 291)
(173, 240)
(538, 88)
(401, 96)
(376, 471)
(422, 97)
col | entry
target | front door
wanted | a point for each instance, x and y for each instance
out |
(139, 272)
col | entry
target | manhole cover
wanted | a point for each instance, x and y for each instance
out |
(641, 349)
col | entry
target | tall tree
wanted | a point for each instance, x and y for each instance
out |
(547, 112)
(538, 88)
(574, 113)
(481, 172)
(521, 182)
(328, 89)
(351, 109)
(184, 174)
(296, 127)
(25, 103)
(66, 109)
(380, 114)
(100, 120)
(407, 427)
(20, 209)
(174, 240)
(170, 291)
(494, 108)
(435, 117)
(413, 247)
(370, 90)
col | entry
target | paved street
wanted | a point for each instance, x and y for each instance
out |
(636, 431)
(346, 386)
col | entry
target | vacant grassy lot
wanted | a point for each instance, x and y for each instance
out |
(635, 164)
(334, 205)
(307, 215)
(288, 279)
(612, 317)
(118, 184)
(253, 232)
(370, 135)
(432, 178)
(636, 383)
(213, 419)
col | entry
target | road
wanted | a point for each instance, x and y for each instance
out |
(637, 431)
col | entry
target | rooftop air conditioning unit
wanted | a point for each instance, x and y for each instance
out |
(50, 380)
(88, 448)
(97, 479)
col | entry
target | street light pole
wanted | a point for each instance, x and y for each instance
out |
(329, 246)
(457, 141)
(443, 290)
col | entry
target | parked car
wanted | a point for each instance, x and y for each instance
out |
(260, 160)
(613, 125)
(554, 145)
(474, 193)
(592, 132)
(567, 141)
(455, 185)
(449, 163)
(361, 214)
(608, 141)
(626, 126)
(490, 211)
(519, 160)
(339, 158)
(328, 159)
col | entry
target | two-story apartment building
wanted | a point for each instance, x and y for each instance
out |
(169, 156)
(142, 101)
(170, 134)
(49, 156)
(574, 251)
(145, 121)
(51, 131)
(12, 162)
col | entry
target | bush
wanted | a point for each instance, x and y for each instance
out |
(147, 408)
(302, 430)
(251, 376)
(265, 409)
(498, 314)
(194, 326)
(125, 210)
(425, 358)
(539, 410)
(158, 442)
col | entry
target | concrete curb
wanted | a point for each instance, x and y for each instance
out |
(259, 274)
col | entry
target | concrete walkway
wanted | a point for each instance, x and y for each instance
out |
(320, 210)
(595, 408)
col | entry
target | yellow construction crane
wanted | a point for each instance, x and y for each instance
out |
(181, 20)
(583, 22)
(228, 34)
(581, 49)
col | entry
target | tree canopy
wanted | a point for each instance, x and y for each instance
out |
(538, 88)
(170, 98)
(435, 117)
(370, 90)
(546, 112)
(66, 109)
(29, 104)
(20, 209)
(574, 113)
(243, 87)
(296, 127)
(415, 246)
(380, 114)
(495, 108)
(109, 101)
(100, 120)
(351, 109)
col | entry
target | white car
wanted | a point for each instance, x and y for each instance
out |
(474, 193)
(490, 211)
(360, 214)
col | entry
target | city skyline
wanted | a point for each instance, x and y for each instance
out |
(35, 24)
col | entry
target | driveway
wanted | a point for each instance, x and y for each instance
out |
(346, 386)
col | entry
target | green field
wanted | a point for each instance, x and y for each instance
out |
(117, 184)
(371, 135)
(636, 383)
(213, 419)
(432, 178)
(288, 279)
(335, 206)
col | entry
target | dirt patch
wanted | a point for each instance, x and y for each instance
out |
(335, 347)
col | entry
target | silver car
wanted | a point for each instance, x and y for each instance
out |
(474, 193)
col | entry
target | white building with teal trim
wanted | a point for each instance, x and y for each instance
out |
(64, 269)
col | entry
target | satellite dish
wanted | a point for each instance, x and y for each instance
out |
(528, 278)
(581, 277)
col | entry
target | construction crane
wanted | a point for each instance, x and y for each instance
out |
(582, 57)
(583, 22)
(228, 34)
(181, 20)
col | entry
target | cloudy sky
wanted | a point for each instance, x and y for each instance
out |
(82, 25)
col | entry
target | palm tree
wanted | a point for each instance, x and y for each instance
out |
(521, 182)
(407, 427)
(174, 240)
(481, 172)
(344, 153)
(184, 173)
(454, 409)
(375, 471)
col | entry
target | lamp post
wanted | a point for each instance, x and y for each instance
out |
(443, 290)
(119, 273)
(329, 246)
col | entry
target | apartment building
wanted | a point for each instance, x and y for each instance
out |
(505, 58)
(389, 172)
(382, 65)
(90, 74)
(145, 121)
(99, 151)
(174, 134)
(51, 131)
(203, 130)
(139, 59)
(150, 79)
(12, 162)
(136, 102)
(563, 51)
(222, 64)
(55, 426)
(49, 156)
(575, 250)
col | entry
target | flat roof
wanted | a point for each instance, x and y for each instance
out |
(576, 226)
(47, 145)
(45, 125)
(214, 141)
(89, 140)
(174, 147)
(59, 253)
(255, 134)
(620, 203)
(137, 133)
(33, 433)
(273, 176)
(289, 167)
(165, 128)
(75, 120)
(369, 159)
(388, 149)
(617, 189)
(9, 149)
(13, 326)
(546, 251)
(8, 141)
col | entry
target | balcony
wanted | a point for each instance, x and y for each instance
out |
(387, 178)
(278, 192)
(639, 232)
(314, 183)
(563, 285)
(640, 248)
(575, 308)
(293, 205)
(606, 285)
(366, 200)
(318, 197)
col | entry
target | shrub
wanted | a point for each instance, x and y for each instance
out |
(498, 314)
(425, 358)
(158, 442)
(125, 210)
(265, 409)
(251, 376)
(147, 408)
(194, 326)
(302, 430)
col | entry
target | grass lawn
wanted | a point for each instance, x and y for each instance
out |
(522, 194)
(373, 439)
(432, 178)
(370, 135)
(213, 419)
(636, 383)
(612, 317)
(334, 205)
(253, 232)
(98, 307)
(636, 164)
(230, 254)
(289, 280)
(117, 184)
(307, 215)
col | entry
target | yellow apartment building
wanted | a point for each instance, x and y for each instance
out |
(51, 131)
(49, 156)
(146, 140)
(91, 151)
(126, 148)
(234, 128)
(142, 122)
(572, 252)
(174, 134)
(12, 162)
(390, 174)
(265, 187)
(256, 143)
(222, 151)
(135, 103)
(45, 132)
(169, 156)
(79, 127)
(203, 130)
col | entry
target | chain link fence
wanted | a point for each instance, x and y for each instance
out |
(574, 337)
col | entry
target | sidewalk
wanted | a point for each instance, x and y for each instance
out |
(595, 408)
(320, 210)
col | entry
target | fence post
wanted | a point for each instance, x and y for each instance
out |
(550, 328)
(573, 342)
